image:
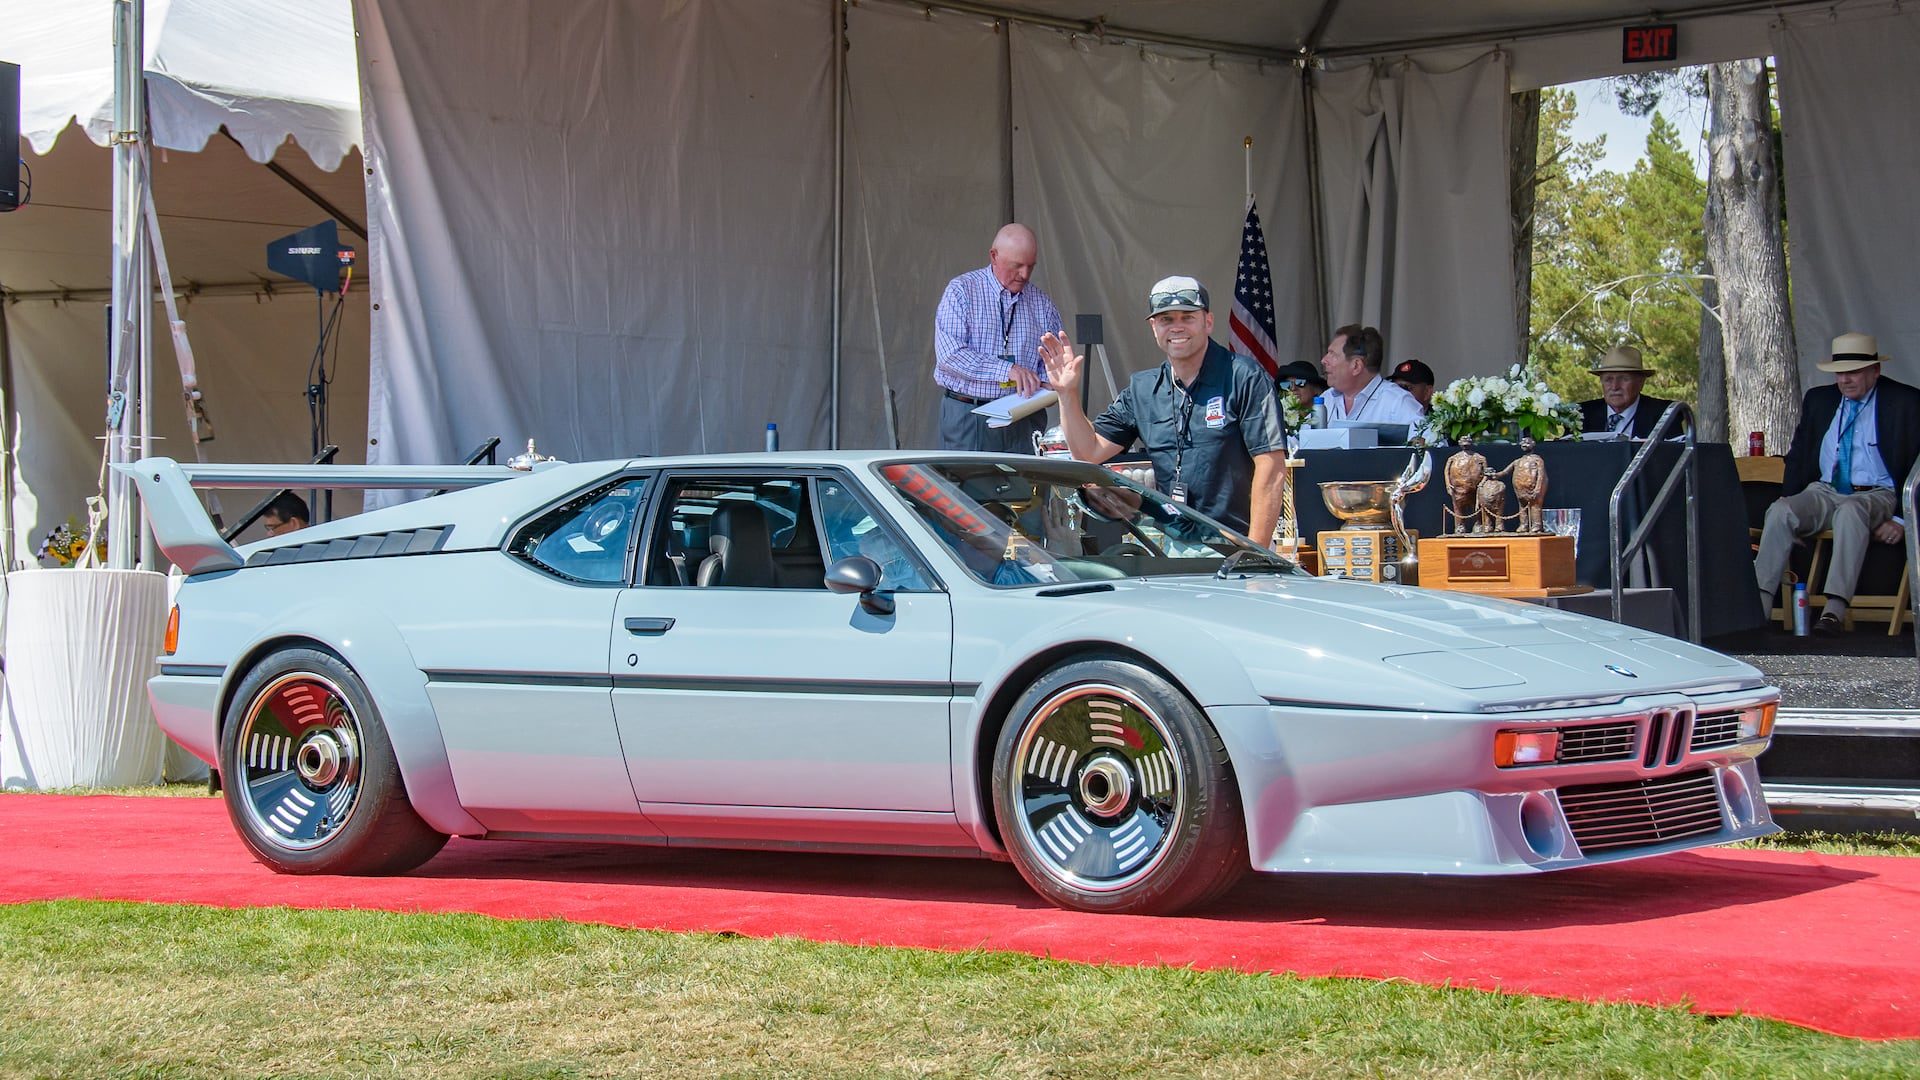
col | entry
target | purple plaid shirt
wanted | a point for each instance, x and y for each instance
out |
(977, 322)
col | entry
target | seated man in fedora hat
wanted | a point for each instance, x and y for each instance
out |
(1621, 410)
(1855, 442)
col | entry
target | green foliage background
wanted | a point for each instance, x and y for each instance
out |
(1617, 258)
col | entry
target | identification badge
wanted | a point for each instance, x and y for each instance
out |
(1177, 491)
(1217, 412)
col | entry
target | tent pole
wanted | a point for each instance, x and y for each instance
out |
(1005, 30)
(839, 204)
(8, 552)
(1315, 203)
(129, 123)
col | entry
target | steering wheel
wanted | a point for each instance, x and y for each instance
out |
(1126, 549)
(604, 522)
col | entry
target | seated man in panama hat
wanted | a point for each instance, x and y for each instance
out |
(1622, 410)
(1856, 440)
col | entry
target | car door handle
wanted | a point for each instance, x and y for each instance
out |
(649, 626)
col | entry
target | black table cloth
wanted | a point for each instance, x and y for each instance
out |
(1582, 475)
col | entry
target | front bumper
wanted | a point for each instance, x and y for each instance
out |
(1387, 792)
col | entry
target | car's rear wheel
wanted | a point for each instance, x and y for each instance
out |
(309, 774)
(1113, 793)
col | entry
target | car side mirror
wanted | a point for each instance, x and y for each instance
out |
(859, 574)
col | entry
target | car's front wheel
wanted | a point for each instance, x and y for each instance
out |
(309, 774)
(1113, 793)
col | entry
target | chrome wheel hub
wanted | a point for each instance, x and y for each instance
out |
(1098, 787)
(1105, 786)
(298, 771)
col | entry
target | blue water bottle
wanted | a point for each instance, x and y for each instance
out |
(1319, 411)
(773, 436)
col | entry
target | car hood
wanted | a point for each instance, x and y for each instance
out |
(1320, 640)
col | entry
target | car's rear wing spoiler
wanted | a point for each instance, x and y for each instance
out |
(191, 540)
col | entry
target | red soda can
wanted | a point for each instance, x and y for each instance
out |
(1756, 445)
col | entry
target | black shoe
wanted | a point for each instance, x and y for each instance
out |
(1829, 626)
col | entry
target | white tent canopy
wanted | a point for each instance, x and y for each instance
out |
(268, 72)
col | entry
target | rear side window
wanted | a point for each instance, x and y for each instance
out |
(587, 538)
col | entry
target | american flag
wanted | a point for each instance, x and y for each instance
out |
(1251, 325)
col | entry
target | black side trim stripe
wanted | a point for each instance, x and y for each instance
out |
(848, 687)
(711, 684)
(193, 671)
(516, 678)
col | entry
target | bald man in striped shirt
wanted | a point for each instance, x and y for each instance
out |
(986, 344)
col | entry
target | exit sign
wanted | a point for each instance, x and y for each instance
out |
(1652, 43)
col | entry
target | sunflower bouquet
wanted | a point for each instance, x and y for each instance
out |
(66, 545)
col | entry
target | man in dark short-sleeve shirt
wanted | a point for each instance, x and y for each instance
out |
(1207, 416)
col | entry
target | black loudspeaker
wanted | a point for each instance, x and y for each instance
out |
(311, 255)
(1086, 330)
(9, 136)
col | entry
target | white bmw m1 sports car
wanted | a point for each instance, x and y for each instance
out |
(955, 654)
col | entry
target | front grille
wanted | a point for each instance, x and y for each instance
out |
(1716, 729)
(1666, 737)
(1596, 742)
(1608, 817)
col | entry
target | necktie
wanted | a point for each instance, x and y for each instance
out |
(1843, 449)
(1615, 422)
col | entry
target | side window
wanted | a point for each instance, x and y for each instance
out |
(736, 531)
(851, 529)
(585, 538)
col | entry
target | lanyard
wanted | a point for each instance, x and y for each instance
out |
(1359, 403)
(1842, 445)
(1006, 327)
(1181, 439)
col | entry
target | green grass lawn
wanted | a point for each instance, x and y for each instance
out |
(109, 989)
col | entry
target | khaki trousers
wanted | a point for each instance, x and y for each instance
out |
(1798, 517)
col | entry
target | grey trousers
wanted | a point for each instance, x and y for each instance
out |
(962, 429)
(1797, 517)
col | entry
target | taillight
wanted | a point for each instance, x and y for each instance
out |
(172, 643)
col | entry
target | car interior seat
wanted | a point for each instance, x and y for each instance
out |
(742, 549)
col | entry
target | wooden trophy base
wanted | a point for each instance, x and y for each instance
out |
(1304, 555)
(1361, 554)
(1500, 564)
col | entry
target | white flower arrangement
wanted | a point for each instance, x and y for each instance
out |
(1294, 412)
(1511, 405)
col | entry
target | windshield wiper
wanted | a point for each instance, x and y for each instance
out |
(1266, 560)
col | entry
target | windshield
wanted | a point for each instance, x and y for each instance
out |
(1054, 522)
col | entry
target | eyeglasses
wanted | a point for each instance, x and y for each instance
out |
(1292, 384)
(1167, 299)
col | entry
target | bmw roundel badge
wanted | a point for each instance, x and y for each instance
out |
(1622, 669)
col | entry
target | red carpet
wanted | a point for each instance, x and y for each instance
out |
(1828, 942)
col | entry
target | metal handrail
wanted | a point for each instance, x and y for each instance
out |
(1907, 496)
(1687, 468)
(484, 450)
(324, 457)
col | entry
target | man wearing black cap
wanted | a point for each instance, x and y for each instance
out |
(1207, 416)
(1416, 378)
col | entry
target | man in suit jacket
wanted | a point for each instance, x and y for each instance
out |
(1621, 409)
(1853, 447)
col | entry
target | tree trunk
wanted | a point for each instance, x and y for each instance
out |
(1523, 162)
(1710, 412)
(1749, 260)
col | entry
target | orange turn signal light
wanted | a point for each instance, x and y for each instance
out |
(1512, 748)
(173, 632)
(1757, 722)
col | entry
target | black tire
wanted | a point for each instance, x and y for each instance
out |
(309, 774)
(1114, 794)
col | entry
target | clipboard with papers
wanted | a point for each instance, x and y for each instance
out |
(1002, 411)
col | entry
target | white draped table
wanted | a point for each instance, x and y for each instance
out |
(80, 646)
